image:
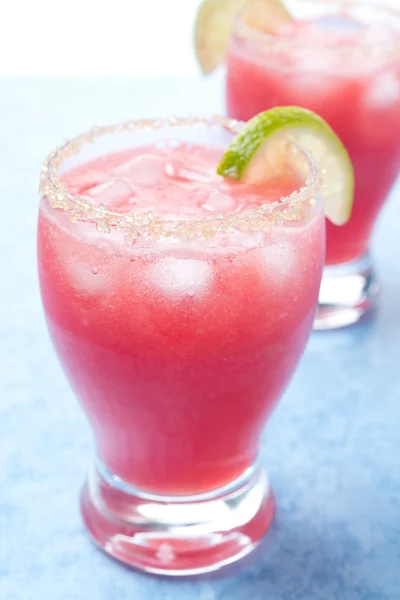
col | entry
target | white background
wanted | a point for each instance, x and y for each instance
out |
(102, 37)
(99, 37)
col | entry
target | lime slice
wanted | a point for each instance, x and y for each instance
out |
(266, 15)
(258, 153)
(214, 24)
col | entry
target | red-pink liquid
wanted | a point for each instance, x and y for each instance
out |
(359, 97)
(177, 349)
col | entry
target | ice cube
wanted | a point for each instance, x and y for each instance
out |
(87, 279)
(279, 259)
(177, 169)
(79, 183)
(85, 230)
(338, 24)
(88, 233)
(311, 85)
(111, 192)
(146, 170)
(246, 239)
(181, 276)
(383, 91)
(310, 62)
(379, 33)
(219, 203)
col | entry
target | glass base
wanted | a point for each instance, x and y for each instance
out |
(177, 535)
(348, 292)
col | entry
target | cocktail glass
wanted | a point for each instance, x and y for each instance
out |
(178, 335)
(355, 86)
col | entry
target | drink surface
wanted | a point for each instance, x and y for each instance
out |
(178, 349)
(176, 182)
(358, 94)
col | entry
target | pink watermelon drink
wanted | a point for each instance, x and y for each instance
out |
(180, 318)
(346, 67)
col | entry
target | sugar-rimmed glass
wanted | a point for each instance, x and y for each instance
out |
(177, 382)
(355, 86)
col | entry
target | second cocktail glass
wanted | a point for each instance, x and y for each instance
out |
(340, 58)
(179, 305)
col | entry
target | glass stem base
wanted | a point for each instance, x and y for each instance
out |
(177, 535)
(348, 292)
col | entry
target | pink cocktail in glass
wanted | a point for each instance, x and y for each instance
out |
(342, 60)
(179, 305)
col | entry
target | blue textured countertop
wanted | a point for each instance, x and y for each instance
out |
(332, 448)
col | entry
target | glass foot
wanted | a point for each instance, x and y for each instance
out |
(177, 535)
(347, 293)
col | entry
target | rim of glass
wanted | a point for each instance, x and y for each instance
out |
(293, 207)
(276, 44)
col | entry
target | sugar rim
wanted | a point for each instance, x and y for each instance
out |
(275, 44)
(294, 207)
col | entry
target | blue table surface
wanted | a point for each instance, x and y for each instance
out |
(332, 447)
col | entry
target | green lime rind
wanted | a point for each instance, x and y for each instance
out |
(242, 160)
